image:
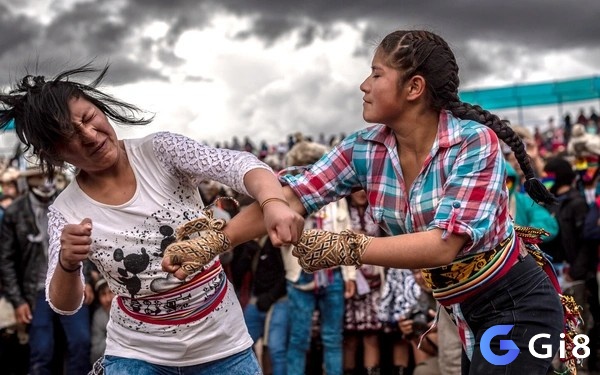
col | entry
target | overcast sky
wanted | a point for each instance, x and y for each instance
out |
(213, 69)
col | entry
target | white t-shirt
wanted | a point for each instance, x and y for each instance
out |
(129, 241)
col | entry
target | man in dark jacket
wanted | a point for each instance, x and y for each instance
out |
(23, 267)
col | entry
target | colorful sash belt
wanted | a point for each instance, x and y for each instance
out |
(454, 283)
(470, 275)
(184, 304)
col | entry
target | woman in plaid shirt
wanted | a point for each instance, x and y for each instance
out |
(435, 175)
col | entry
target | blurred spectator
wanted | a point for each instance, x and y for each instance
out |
(100, 319)
(416, 326)
(524, 210)
(235, 144)
(266, 313)
(9, 182)
(532, 149)
(361, 325)
(399, 295)
(568, 125)
(324, 289)
(23, 266)
(572, 254)
(449, 345)
(594, 117)
(581, 117)
(248, 145)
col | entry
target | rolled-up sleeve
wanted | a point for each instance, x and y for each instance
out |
(474, 197)
(329, 179)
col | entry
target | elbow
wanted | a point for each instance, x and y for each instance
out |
(64, 308)
(438, 259)
(64, 304)
(445, 258)
(448, 248)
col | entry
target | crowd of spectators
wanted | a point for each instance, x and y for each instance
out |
(364, 321)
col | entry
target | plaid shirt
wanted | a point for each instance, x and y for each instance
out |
(460, 188)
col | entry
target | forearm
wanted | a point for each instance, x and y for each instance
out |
(413, 250)
(246, 225)
(262, 184)
(249, 223)
(66, 290)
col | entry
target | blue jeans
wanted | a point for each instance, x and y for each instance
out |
(243, 363)
(41, 339)
(278, 332)
(525, 298)
(330, 301)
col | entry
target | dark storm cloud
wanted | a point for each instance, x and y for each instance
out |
(546, 23)
(538, 25)
(108, 29)
(124, 71)
(15, 31)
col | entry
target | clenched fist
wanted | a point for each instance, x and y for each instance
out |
(319, 249)
(75, 244)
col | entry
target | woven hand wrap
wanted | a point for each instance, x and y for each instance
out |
(319, 249)
(193, 254)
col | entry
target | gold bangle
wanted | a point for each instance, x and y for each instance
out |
(268, 200)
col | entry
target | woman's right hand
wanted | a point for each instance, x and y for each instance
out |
(75, 243)
(284, 225)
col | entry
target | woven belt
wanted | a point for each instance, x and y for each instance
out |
(469, 275)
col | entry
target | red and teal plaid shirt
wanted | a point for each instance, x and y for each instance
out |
(460, 189)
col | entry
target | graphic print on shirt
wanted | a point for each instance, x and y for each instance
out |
(168, 239)
(132, 265)
(165, 283)
(133, 262)
(156, 296)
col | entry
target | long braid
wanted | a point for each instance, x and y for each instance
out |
(536, 190)
(427, 54)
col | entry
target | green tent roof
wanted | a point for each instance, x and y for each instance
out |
(537, 94)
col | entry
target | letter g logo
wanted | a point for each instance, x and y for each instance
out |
(508, 345)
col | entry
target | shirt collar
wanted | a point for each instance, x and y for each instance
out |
(448, 135)
(449, 130)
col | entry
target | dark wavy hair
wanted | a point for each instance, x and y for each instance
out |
(420, 52)
(40, 110)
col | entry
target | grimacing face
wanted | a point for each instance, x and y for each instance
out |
(94, 146)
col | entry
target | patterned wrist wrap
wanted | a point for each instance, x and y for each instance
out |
(319, 249)
(193, 254)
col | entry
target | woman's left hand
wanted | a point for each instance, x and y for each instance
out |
(320, 249)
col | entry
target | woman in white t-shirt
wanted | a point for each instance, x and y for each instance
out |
(122, 211)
